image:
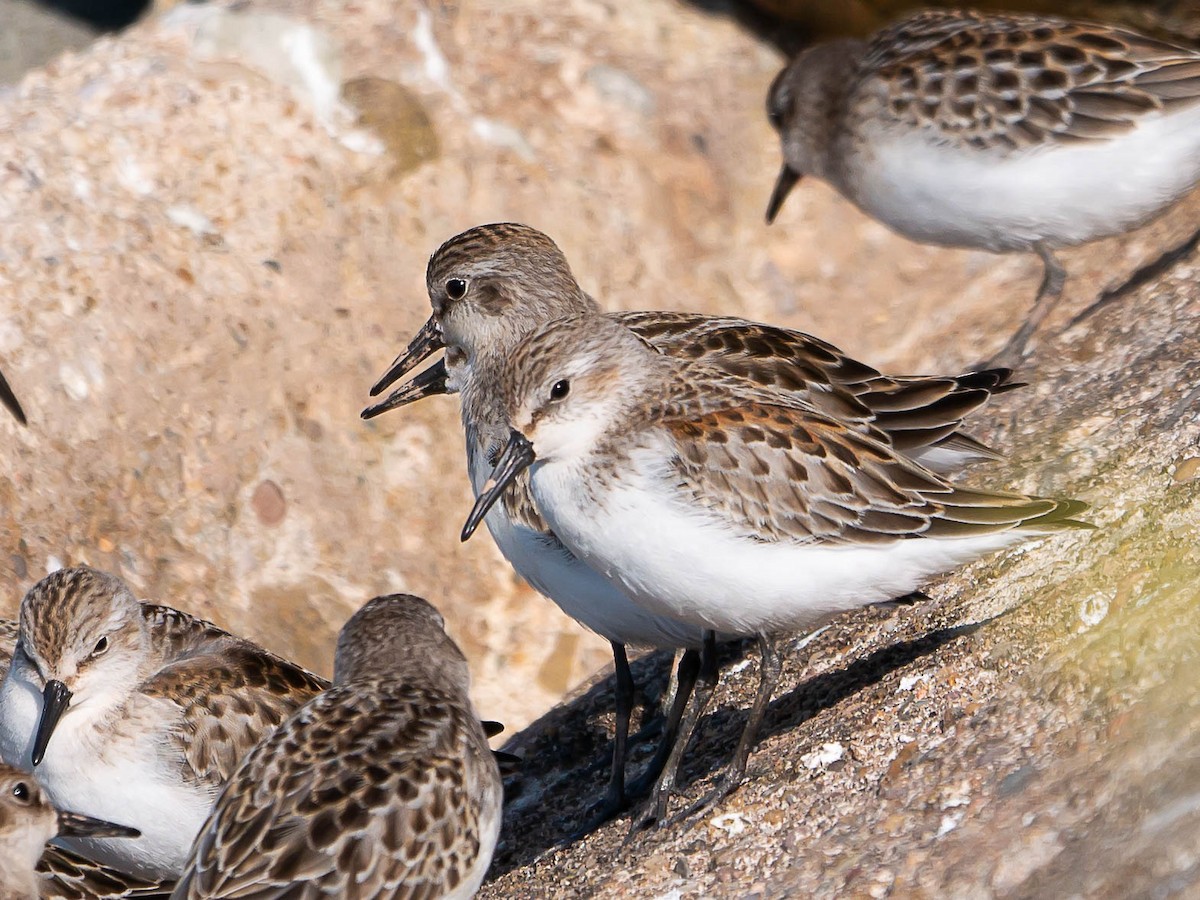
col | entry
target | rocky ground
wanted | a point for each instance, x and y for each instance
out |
(213, 231)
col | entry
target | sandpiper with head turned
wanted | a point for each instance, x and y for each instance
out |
(135, 711)
(710, 500)
(493, 286)
(383, 786)
(996, 132)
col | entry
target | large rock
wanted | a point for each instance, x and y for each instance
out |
(206, 256)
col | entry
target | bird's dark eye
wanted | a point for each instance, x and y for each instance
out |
(560, 389)
(456, 288)
(101, 647)
(21, 792)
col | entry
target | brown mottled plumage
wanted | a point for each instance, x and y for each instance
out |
(139, 687)
(998, 132)
(513, 280)
(382, 787)
(63, 875)
(704, 497)
(1018, 81)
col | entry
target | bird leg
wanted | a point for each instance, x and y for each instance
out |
(685, 682)
(770, 669)
(655, 810)
(1144, 275)
(1054, 276)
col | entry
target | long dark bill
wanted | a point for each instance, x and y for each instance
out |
(426, 384)
(55, 698)
(72, 824)
(518, 456)
(9, 400)
(426, 341)
(788, 179)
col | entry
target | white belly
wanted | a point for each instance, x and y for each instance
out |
(1063, 194)
(121, 780)
(579, 591)
(680, 562)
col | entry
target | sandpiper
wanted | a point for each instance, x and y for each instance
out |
(62, 874)
(136, 712)
(383, 786)
(494, 285)
(707, 499)
(28, 822)
(997, 132)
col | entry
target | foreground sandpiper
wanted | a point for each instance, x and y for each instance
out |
(493, 286)
(710, 500)
(997, 132)
(28, 822)
(135, 712)
(383, 786)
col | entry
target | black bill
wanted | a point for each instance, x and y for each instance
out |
(788, 178)
(9, 400)
(55, 698)
(427, 384)
(518, 456)
(72, 824)
(426, 342)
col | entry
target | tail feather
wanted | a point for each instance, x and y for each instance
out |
(969, 512)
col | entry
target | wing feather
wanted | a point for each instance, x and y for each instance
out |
(1017, 81)
(360, 794)
(787, 474)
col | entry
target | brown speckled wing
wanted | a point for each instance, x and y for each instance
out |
(782, 474)
(1018, 81)
(387, 783)
(9, 632)
(229, 692)
(64, 876)
(916, 412)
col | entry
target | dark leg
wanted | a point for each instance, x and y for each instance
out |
(616, 783)
(1145, 274)
(770, 669)
(615, 797)
(685, 676)
(1054, 276)
(705, 685)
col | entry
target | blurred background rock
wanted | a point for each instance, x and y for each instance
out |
(213, 232)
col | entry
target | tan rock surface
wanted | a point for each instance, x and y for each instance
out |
(202, 269)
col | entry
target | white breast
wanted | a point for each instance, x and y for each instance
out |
(1062, 194)
(579, 591)
(681, 561)
(120, 776)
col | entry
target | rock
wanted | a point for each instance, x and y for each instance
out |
(32, 35)
(202, 270)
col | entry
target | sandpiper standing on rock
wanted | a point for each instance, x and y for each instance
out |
(707, 499)
(997, 132)
(136, 712)
(383, 786)
(493, 286)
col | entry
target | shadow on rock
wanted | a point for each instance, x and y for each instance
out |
(566, 753)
